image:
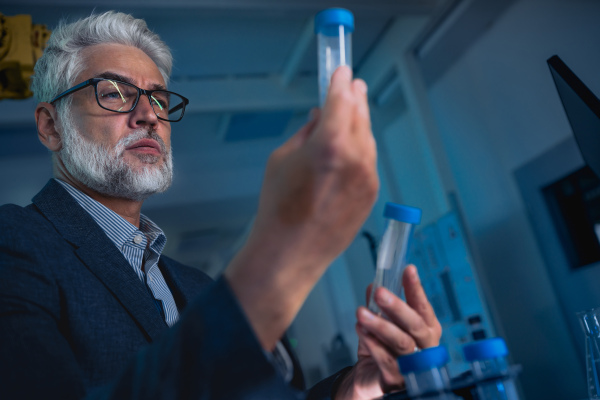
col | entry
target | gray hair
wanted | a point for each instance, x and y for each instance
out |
(61, 61)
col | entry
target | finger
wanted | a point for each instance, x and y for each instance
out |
(362, 118)
(386, 362)
(361, 127)
(314, 113)
(415, 295)
(407, 319)
(341, 77)
(308, 128)
(300, 137)
(369, 289)
(362, 349)
(339, 104)
(389, 334)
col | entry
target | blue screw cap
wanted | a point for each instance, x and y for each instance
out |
(333, 17)
(485, 349)
(399, 212)
(433, 357)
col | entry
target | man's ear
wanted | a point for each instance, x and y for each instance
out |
(45, 118)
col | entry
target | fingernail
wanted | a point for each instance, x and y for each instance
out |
(362, 86)
(345, 71)
(415, 276)
(384, 297)
(366, 314)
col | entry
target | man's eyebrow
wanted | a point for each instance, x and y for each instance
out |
(114, 76)
(117, 77)
(157, 86)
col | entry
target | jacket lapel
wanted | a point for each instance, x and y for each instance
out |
(181, 296)
(100, 256)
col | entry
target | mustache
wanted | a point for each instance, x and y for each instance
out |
(140, 134)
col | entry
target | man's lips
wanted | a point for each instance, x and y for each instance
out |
(145, 146)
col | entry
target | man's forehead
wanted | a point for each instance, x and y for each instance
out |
(124, 78)
(121, 62)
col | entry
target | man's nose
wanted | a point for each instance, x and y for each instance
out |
(144, 114)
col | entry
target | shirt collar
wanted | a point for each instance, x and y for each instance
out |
(118, 229)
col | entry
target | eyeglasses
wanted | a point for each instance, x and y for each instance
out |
(122, 97)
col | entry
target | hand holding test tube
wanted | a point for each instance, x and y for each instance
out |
(391, 256)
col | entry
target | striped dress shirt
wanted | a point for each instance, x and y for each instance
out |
(140, 246)
(133, 244)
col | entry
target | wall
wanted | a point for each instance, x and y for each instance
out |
(495, 109)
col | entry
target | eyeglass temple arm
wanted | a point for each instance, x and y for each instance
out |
(73, 89)
(178, 106)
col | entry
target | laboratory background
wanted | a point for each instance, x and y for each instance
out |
(469, 126)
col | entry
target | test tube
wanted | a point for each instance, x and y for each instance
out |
(391, 256)
(334, 27)
(425, 374)
(491, 370)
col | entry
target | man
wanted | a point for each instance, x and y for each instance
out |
(90, 307)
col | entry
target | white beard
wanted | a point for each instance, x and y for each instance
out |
(105, 171)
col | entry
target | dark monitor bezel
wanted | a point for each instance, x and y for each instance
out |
(559, 67)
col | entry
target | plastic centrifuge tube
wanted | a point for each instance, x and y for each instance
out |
(334, 27)
(426, 375)
(490, 369)
(391, 256)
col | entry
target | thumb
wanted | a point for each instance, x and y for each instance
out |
(302, 135)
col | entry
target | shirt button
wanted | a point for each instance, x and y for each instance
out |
(137, 239)
(151, 279)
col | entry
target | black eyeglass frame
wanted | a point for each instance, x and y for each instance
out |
(148, 93)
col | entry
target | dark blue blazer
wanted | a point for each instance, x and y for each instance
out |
(76, 321)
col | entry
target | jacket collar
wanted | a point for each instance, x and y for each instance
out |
(100, 255)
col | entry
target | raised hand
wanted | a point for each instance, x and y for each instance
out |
(318, 190)
(406, 326)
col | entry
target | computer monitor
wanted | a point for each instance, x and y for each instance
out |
(583, 111)
(574, 199)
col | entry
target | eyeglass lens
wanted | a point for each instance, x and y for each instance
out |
(121, 97)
